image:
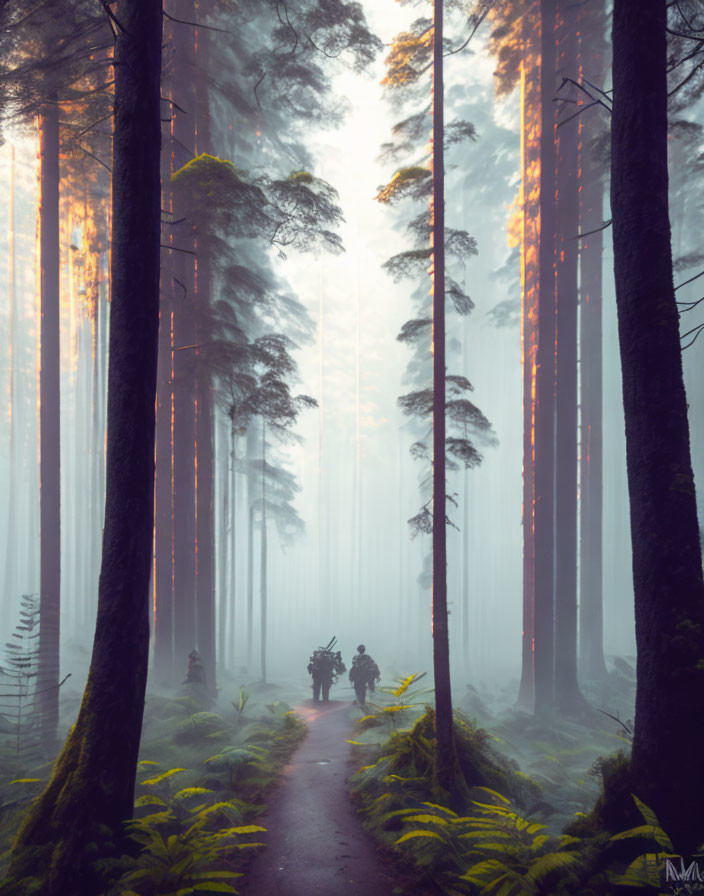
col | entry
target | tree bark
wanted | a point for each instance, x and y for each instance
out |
(568, 696)
(530, 285)
(667, 574)
(446, 757)
(251, 487)
(91, 790)
(164, 668)
(591, 636)
(233, 552)
(544, 532)
(263, 561)
(50, 428)
(205, 548)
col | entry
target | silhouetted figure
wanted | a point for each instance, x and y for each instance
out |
(364, 673)
(196, 669)
(325, 665)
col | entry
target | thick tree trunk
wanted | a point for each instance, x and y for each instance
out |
(544, 532)
(568, 696)
(446, 757)
(50, 464)
(91, 790)
(591, 635)
(667, 573)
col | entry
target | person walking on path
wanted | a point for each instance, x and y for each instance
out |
(363, 673)
(325, 665)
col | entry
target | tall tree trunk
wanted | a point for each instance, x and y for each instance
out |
(204, 510)
(224, 543)
(233, 551)
(251, 488)
(11, 548)
(263, 560)
(591, 634)
(205, 557)
(180, 63)
(544, 532)
(568, 696)
(164, 668)
(446, 756)
(50, 464)
(91, 790)
(530, 285)
(667, 573)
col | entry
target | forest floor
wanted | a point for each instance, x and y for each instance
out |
(315, 843)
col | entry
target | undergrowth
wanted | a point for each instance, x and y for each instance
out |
(494, 846)
(202, 781)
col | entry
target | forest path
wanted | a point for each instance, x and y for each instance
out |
(315, 842)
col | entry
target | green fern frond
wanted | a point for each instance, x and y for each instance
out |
(645, 871)
(162, 777)
(645, 831)
(493, 793)
(552, 861)
(443, 809)
(149, 800)
(188, 792)
(411, 835)
(427, 819)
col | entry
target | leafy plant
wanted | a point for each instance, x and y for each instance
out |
(235, 759)
(646, 870)
(397, 710)
(187, 863)
(493, 851)
(241, 701)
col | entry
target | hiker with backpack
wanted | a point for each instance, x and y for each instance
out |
(363, 674)
(325, 665)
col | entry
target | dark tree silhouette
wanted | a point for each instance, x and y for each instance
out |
(667, 571)
(91, 789)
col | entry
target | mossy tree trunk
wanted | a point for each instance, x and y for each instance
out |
(668, 743)
(91, 790)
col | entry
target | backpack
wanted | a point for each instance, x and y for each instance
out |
(363, 668)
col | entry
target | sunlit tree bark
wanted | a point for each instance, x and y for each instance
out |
(544, 533)
(530, 290)
(667, 573)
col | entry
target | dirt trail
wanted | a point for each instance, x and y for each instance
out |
(315, 840)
